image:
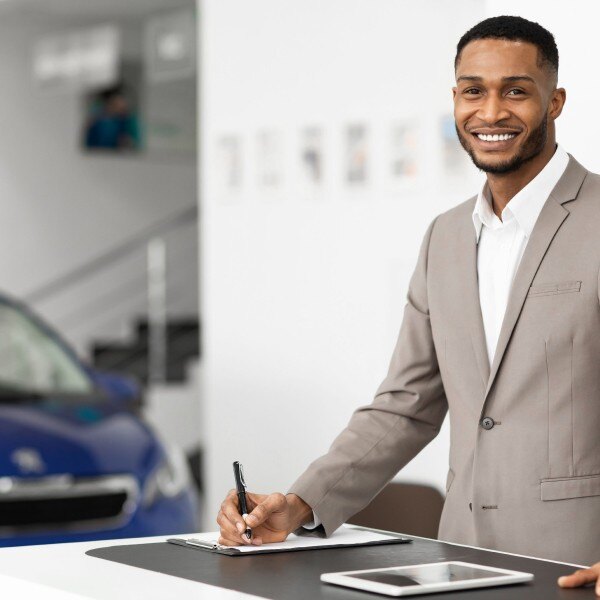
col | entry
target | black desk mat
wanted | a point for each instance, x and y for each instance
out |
(295, 575)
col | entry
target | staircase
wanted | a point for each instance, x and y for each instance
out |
(131, 357)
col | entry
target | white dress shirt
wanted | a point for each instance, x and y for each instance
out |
(500, 247)
(501, 243)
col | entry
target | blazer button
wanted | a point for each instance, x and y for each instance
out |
(487, 423)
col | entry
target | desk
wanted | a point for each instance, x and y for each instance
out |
(66, 568)
(64, 572)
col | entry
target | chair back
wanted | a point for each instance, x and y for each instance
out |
(405, 508)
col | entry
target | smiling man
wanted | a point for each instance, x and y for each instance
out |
(501, 329)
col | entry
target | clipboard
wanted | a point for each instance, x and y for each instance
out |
(346, 537)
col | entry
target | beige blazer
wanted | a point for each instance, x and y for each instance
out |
(524, 469)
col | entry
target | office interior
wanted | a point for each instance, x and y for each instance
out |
(220, 204)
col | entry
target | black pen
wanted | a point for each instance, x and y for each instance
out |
(240, 486)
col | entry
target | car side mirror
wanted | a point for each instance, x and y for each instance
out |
(122, 390)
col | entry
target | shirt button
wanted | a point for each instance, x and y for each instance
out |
(487, 423)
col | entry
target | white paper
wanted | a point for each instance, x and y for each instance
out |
(346, 534)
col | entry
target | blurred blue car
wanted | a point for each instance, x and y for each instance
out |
(76, 461)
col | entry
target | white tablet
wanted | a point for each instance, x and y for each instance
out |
(426, 579)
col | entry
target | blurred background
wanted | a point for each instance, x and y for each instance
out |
(210, 214)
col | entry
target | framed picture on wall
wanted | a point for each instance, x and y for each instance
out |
(269, 159)
(228, 166)
(403, 165)
(311, 160)
(356, 155)
(311, 156)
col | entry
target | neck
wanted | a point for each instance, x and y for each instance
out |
(505, 186)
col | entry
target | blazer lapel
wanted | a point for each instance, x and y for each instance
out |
(551, 218)
(471, 307)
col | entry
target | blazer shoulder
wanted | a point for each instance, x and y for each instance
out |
(587, 196)
(591, 183)
(457, 214)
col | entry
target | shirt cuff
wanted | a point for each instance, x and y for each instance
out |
(313, 524)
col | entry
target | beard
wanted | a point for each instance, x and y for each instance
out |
(530, 148)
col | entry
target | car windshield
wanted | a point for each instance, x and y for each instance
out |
(32, 361)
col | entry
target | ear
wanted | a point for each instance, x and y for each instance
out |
(557, 101)
(454, 93)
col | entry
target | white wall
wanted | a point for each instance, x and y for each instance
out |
(58, 206)
(303, 295)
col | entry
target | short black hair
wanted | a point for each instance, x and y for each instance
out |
(514, 29)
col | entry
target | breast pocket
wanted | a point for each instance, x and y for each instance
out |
(570, 487)
(551, 289)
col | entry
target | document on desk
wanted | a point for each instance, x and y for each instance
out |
(346, 536)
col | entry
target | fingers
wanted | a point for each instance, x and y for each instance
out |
(229, 531)
(229, 536)
(581, 577)
(230, 521)
(271, 504)
(232, 524)
(230, 508)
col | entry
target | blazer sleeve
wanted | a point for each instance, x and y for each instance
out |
(406, 414)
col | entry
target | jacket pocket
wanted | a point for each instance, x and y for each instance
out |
(570, 487)
(449, 480)
(559, 365)
(549, 289)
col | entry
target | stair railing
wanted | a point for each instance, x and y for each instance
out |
(157, 310)
(156, 246)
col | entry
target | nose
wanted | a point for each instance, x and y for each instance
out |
(492, 110)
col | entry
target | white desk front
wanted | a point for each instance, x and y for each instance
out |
(65, 572)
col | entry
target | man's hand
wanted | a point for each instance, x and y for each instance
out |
(581, 577)
(272, 518)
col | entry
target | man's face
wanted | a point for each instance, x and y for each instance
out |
(503, 104)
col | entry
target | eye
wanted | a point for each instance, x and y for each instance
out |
(515, 92)
(471, 91)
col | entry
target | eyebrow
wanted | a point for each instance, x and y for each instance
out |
(509, 79)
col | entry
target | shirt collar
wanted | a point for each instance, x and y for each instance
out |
(526, 205)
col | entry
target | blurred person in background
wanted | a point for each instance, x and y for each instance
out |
(113, 124)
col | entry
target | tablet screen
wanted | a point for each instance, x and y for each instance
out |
(426, 574)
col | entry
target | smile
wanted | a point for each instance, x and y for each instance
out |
(496, 137)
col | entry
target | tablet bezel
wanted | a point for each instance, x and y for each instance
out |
(505, 577)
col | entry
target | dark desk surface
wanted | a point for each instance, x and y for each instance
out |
(295, 575)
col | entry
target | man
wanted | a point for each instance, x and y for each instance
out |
(501, 328)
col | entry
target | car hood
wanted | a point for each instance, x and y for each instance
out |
(77, 438)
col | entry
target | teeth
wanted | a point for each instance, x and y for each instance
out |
(496, 137)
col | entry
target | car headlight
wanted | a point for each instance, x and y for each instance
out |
(169, 479)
